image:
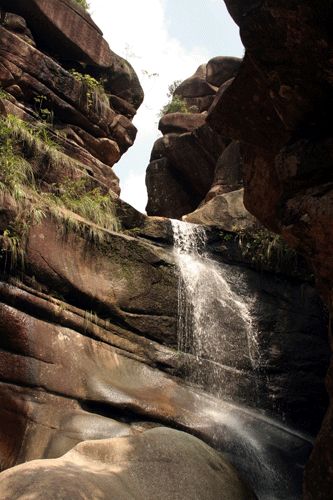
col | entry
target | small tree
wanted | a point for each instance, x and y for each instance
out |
(176, 103)
(172, 87)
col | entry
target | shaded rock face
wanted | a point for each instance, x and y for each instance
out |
(283, 93)
(183, 164)
(160, 463)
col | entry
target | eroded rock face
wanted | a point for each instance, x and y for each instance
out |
(65, 30)
(283, 94)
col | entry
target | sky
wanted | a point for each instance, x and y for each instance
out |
(164, 40)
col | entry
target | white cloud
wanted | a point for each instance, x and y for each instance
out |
(137, 30)
(134, 189)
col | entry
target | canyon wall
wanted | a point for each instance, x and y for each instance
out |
(271, 125)
(283, 94)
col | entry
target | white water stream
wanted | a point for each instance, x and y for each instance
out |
(210, 311)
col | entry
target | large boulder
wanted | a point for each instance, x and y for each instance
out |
(220, 69)
(181, 122)
(228, 171)
(158, 464)
(191, 149)
(225, 211)
(168, 194)
(182, 167)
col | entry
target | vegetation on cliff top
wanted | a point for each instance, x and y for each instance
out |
(83, 4)
(176, 104)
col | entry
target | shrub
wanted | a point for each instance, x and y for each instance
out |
(91, 86)
(176, 105)
(83, 4)
(43, 112)
(4, 94)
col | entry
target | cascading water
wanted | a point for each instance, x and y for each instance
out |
(209, 312)
(218, 336)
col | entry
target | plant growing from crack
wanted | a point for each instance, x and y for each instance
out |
(92, 87)
(44, 113)
(265, 248)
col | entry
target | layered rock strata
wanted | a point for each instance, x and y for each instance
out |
(89, 113)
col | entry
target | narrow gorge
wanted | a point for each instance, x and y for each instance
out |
(182, 354)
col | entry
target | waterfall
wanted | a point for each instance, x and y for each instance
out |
(218, 335)
(214, 322)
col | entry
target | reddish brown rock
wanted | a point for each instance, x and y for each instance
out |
(221, 69)
(189, 149)
(88, 325)
(177, 123)
(104, 149)
(225, 211)
(65, 28)
(195, 87)
(228, 171)
(283, 98)
(167, 195)
(199, 104)
(18, 25)
(259, 120)
(97, 135)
